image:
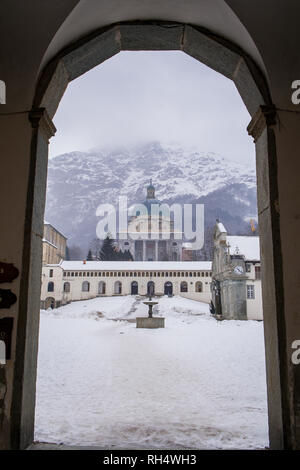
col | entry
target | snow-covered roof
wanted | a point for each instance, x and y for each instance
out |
(49, 243)
(48, 223)
(221, 227)
(247, 246)
(136, 265)
(187, 245)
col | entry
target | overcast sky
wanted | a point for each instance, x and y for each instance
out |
(136, 97)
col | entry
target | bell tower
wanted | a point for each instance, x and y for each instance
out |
(150, 191)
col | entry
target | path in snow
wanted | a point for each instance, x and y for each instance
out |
(198, 383)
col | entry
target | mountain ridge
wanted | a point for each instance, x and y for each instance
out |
(79, 181)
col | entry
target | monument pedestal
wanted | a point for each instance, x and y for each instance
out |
(146, 322)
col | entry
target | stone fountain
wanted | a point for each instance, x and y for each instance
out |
(150, 321)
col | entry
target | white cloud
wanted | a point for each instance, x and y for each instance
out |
(140, 96)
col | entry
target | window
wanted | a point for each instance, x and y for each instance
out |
(250, 291)
(51, 273)
(50, 286)
(183, 286)
(248, 267)
(66, 287)
(85, 286)
(257, 272)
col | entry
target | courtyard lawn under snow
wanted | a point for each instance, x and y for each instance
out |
(198, 383)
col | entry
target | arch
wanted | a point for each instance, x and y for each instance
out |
(224, 57)
(118, 287)
(101, 287)
(198, 286)
(150, 288)
(67, 287)
(168, 288)
(85, 287)
(50, 287)
(134, 288)
(49, 303)
(183, 286)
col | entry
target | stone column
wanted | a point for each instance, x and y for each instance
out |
(24, 382)
(277, 139)
(144, 250)
(156, 250)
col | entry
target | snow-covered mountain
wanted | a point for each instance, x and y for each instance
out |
(79, 181)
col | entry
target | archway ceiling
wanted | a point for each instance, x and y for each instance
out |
(33, 32)
(215, 15)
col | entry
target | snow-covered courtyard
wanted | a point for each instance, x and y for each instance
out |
(197, 383)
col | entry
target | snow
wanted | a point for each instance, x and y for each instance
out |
(198, 383)
(221, 227)
(247, 246)
(137, 265)
(50, 243)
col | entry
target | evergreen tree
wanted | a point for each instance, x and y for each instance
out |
(108, 252)
(89, 256)
(127, 256)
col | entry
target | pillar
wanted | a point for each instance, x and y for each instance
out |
(24, 139)
(276, 136)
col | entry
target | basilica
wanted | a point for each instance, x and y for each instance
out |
(151, 232)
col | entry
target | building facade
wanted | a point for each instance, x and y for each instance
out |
(151, 235)
(54, 245)
(80, 280)
(236, 276)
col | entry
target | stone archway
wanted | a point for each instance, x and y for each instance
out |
(234, 63)
(150, 288)
(168, 288)
(134, 288)
(49, 303)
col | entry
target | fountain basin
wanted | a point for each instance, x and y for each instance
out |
(150, 322)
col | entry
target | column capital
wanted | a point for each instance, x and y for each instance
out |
(264, 117)
(40, 119)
